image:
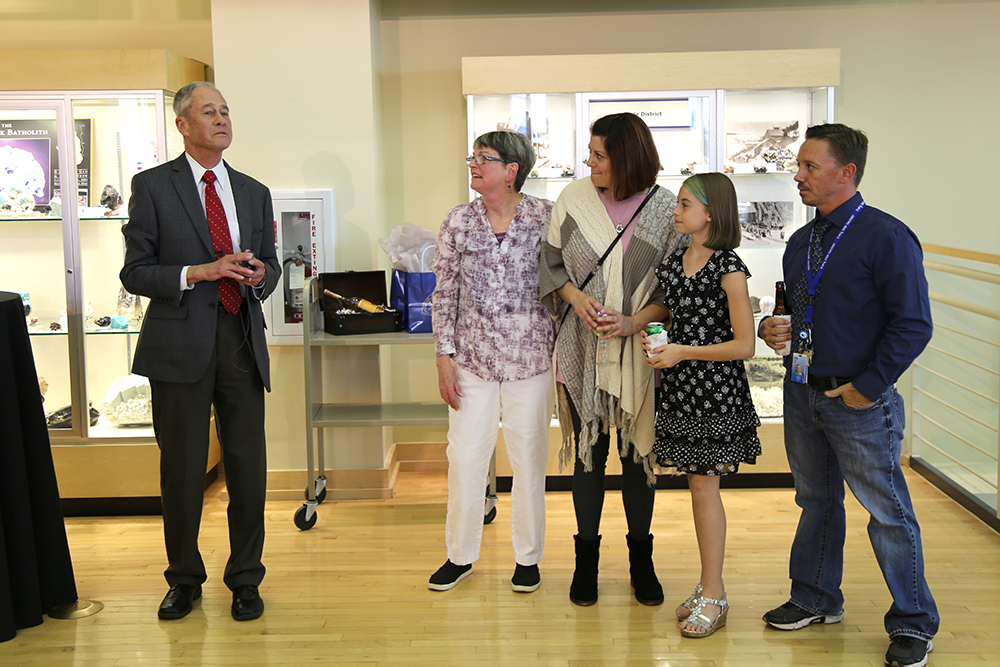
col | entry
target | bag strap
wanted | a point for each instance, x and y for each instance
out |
(607, 252)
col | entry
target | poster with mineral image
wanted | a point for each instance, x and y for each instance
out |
(30, 159)
(765, 222)
(747, 142)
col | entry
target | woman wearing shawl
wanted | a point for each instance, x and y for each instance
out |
(603, 380)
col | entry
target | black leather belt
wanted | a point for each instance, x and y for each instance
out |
(827, 384)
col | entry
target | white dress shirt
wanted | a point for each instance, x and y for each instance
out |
(225, 192)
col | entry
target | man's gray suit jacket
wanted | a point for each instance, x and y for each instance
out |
(167, 230)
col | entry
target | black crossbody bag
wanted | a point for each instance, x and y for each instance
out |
(607, 252)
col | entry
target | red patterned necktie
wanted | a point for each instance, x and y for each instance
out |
(229, 291)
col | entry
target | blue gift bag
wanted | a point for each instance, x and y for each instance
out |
(410, 294)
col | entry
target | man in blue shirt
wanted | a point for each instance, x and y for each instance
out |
(860, 316)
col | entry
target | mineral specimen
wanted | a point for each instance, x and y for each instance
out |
(21, 180)
(111, 200)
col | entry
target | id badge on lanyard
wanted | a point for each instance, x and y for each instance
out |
(801, 360)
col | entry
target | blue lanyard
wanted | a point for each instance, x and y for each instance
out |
(812, 281)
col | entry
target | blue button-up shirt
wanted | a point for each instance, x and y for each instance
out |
(872, 317)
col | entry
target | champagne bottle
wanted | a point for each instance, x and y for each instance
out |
(354, 302)
(781, 312)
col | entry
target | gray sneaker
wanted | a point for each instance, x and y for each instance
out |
(907, 651)
(791, 616)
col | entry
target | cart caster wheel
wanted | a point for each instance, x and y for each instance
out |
(320, 497)
(301, 522)
(492, 514)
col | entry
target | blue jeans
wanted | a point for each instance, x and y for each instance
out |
(827, 443)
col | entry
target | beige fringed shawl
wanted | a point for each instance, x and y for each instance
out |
(609, 395)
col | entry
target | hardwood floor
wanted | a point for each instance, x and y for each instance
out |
(353, 591)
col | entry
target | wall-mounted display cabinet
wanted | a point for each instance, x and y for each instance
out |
(66, 163)
(304, 240)
(741, 113)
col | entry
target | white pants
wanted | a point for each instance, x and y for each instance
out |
(472, 437)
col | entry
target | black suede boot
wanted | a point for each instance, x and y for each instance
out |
(640, 560)
(583, 590)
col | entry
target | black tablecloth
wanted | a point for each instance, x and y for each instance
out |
(36, 572)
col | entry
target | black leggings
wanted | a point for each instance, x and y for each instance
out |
(588, 488)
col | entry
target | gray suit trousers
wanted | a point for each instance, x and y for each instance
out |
(181, 414)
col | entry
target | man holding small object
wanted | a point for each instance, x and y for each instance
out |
(860, 316)
(202, 342)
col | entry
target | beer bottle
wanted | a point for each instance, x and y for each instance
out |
(354, 302)
(781, 312)
(779, 298)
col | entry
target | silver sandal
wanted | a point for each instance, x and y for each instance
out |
(699, 619)
(690, 602)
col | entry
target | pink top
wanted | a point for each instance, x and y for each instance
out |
(621, 212)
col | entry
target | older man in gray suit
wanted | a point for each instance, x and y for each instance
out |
(200, 246)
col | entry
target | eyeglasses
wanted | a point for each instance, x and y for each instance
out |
(482, 159)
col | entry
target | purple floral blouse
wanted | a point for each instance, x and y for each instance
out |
(486, 310)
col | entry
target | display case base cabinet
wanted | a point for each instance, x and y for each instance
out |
(771, 467)
(116, 470)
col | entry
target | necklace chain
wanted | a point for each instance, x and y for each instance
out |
(621, 225)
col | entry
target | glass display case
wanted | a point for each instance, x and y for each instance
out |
(68, 159)
(751, 135)
(74, 155)
(680, 121)
(548, 120)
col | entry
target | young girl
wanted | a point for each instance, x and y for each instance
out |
(706, 424)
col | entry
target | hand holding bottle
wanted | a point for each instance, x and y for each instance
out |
(776, 330)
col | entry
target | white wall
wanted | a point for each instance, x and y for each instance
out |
(302, 82)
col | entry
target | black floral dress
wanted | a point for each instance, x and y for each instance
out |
(706, 423)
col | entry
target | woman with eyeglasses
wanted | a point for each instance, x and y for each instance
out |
(603, 381)
(493, 341)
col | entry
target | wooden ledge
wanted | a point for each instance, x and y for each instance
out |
(731, 70)
(106, 69)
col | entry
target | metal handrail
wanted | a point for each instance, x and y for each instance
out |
(951, 407)
(956, 435)
(966, 334)
(955, 382)
(962, 253)
(965, 273)
(955, 461)
(970, 307)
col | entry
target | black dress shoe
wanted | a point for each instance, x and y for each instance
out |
(178, 601)
(247, 604)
